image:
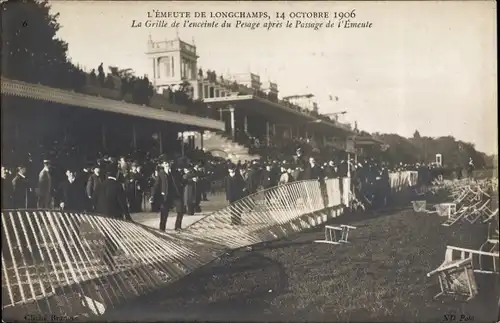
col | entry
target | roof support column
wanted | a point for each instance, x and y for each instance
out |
(134, 137)
(267, 133)
(233, 130)
(65, 133)
(103, 135)
(160, 140)
(16, 131)
(182, 143)
(245, 124)
(348, 164)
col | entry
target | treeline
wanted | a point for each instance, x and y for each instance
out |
(31, 52)
(418, 149)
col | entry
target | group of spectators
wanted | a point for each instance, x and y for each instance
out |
(88, 189)
(140, 89)
(82, 188)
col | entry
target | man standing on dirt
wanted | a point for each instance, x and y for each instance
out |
(168, 189)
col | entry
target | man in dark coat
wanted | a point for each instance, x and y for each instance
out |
(70, 195)
(168, 189)
(93, 182)
(131, 181)
(252, 183)
(252, 179)
(6, 190)
(342, 169)
(109, 198)
(267, 180)
(200, 187)
(330, 170)
(20, 189)
(386, 184)
(275, 173)
(140, 185)
(298, 172)
(313, 171)
(299, 158)
(235, 187)
(45, 187)
(190, 181)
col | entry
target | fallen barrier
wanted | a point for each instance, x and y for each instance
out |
(77, 265)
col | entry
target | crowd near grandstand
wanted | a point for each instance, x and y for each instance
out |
(95, 159)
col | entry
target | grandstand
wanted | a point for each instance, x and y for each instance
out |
(220, 114)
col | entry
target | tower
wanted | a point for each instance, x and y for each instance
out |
(171, 62)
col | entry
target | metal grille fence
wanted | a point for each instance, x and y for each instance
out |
(76, 264)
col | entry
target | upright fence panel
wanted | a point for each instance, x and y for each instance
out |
(402, 180)
(253, 218)
(77, 264)
(346, 190)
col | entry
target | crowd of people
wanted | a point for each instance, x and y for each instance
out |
(118, 187)
(69, 188)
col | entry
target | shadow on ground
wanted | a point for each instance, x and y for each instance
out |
(379, 277)
(229, 289)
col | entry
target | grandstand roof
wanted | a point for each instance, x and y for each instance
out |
(367, 140)
(45, 93)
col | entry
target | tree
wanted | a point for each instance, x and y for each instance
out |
(424, 149)
(30, 50)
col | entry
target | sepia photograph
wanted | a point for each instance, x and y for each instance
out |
(249, 161)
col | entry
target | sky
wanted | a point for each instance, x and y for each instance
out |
(426, 66)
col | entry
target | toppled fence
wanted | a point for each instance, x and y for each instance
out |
(66, 265)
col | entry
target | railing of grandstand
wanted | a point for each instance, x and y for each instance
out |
(77, 264)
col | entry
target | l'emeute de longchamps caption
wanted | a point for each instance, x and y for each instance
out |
(313, 20)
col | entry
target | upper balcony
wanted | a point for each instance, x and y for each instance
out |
(249, 85)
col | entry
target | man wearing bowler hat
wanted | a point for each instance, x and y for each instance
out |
(168, 189)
